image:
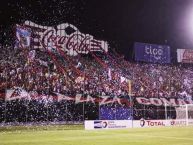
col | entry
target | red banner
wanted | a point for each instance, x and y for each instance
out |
(185, 55)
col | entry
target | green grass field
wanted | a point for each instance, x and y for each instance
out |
(76, 135)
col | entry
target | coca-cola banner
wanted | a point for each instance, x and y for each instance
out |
(152, 53)
(185, 55)
(65, 37)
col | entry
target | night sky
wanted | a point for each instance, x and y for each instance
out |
(120, 22)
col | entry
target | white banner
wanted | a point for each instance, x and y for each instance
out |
(185, 55)
(162, 101)
(123, 124)
(16, 93)
(107, 124)
(64, 37)
(19, 93)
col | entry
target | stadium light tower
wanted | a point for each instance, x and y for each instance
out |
(187, 21)
(190, 23)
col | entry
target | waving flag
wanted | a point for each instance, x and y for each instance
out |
(23, 37)
(17, 93)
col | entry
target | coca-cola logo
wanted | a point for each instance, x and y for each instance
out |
(76, 42)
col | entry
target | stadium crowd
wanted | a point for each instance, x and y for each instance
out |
(43, 74)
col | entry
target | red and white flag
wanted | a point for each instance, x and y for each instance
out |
(16, 93)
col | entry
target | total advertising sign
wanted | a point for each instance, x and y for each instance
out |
(152, 53)
(158, 123)
(107, 124)
(185, 55)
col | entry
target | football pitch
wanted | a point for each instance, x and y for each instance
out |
(76, 135)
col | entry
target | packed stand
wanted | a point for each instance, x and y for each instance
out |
(43, 75)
